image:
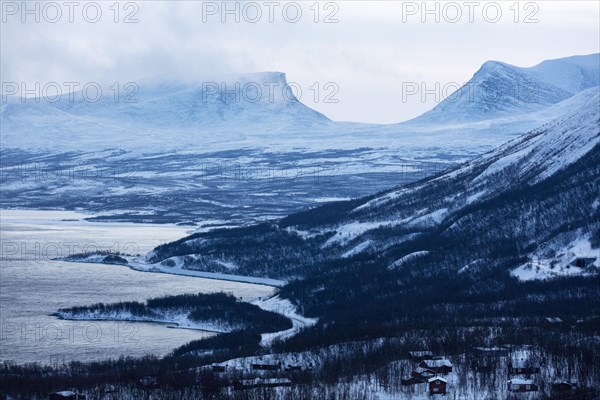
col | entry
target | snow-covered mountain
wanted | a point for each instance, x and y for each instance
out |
(500, 90)
(251, 100)
(158, 111)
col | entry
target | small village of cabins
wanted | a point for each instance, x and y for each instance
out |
(430, 374)
(431, 371)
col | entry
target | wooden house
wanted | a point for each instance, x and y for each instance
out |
(524, 367)
(437, 385)
(524, 361)
(442, 366)
(583, 262)
(422, 373)
(553, 321)
(492, 351)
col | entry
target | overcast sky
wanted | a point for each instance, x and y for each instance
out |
(370, 53)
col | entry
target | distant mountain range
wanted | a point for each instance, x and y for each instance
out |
(499, 102)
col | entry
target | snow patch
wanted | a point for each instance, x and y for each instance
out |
(430, 219)
(346, 233)
(412, 256)
(358, 249)
(553, 260)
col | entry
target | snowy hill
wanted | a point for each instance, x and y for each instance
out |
(158, 112)
(251, 100)
(500, 90)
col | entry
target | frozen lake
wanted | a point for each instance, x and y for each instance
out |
(33, 285)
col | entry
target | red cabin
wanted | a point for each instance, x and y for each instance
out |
(437, 385)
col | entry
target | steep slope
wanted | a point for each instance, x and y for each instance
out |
(496, 90)
(546, 176)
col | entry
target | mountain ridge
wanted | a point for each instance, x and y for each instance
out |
(167, 107)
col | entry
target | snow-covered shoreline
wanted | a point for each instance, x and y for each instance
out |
(180, 320)
(137, 264)
(174, 320)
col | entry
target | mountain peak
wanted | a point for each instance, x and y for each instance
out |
(500, 90)
(493, 65)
